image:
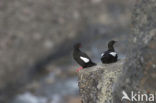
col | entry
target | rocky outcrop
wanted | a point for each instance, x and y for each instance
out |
(139, 71)
(96, 83)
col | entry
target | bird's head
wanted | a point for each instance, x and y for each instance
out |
(110, 44)
(77, 45)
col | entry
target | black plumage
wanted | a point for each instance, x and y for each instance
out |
(81, 58)
(109, 56)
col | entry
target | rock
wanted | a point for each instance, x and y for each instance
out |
(96, 83)
(73, 99)
(106, 84)
(139, 70)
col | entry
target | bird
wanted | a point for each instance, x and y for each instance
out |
(109, 56)
(81, 58)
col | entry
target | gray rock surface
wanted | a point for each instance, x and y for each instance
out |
(139, 71)
(96, 83)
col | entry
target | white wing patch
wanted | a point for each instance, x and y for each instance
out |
(86, 60)
(102, 54)
(113, 53)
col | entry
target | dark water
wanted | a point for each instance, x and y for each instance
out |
(49, 93)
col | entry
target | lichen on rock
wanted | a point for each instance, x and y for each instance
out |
(96, 83)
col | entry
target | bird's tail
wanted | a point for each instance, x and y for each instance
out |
(92, 64)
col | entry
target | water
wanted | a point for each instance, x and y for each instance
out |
(49, 92)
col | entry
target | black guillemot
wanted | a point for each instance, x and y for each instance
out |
(109, 56)
(81, 58)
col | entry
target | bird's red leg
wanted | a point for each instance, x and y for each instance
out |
(78, 69)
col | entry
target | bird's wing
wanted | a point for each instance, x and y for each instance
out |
(102, 54)
(113, 54)
(86, 60)
(85, 57)
(105, 54)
